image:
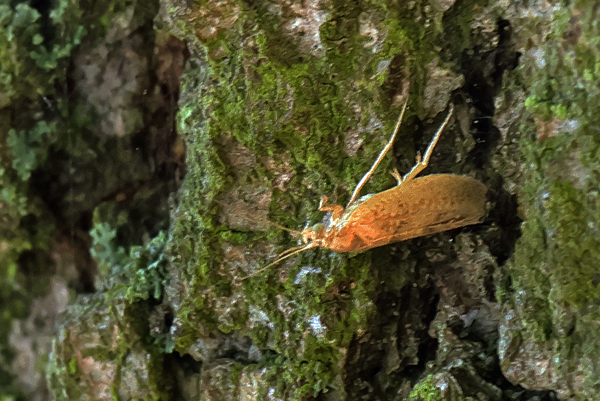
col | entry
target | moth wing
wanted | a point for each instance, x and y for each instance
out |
(425, 205)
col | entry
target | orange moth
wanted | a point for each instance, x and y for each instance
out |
(413, 208)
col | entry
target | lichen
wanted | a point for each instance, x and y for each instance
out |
(135, 275)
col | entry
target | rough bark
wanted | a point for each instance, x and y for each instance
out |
(278, 104)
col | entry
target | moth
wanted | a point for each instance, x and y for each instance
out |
(413, 208)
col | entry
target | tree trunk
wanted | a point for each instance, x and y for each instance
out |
(275, 106)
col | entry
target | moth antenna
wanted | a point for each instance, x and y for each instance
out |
(259, 221)
(290, 252)
(293, 249)
(297, 232)
(387, 147)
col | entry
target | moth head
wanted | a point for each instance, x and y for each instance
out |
(313, 234)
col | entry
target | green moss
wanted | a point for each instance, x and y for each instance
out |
(242, 104)
(563, 239)
(426, 390)
(286, 104)
(576, 221)
(561, 220)
(554, 268)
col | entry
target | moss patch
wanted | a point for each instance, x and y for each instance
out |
(554, 276)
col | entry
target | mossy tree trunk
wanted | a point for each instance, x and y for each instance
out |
(280, 103)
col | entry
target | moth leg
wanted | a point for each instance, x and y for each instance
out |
(422, 162)
(336, 210)
(387, 147)
(397, 176)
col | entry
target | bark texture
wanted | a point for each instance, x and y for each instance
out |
(145, 147)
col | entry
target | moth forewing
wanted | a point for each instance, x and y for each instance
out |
(423, 206)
